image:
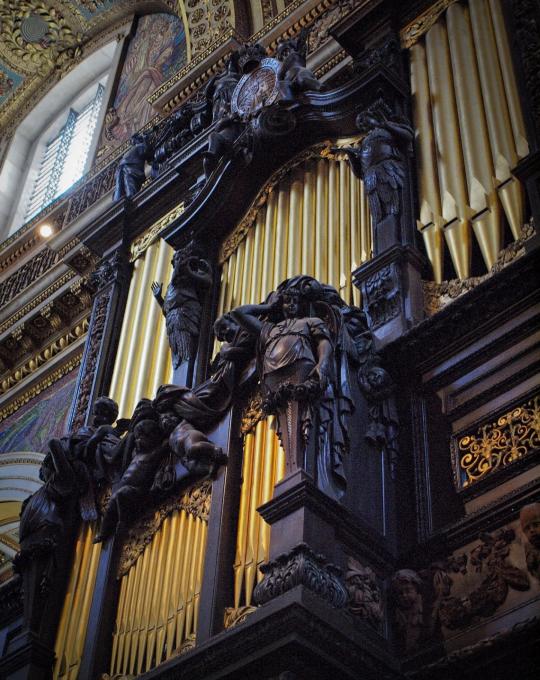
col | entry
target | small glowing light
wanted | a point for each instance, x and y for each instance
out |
(45, 230)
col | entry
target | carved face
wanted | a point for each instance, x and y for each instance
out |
(291, 305)
(225, 328)
(147, 436)
(105, 412)
(530, 523)
(406, 594)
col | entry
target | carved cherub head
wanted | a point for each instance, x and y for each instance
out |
(105, 411)
(530, 523)
(406, 588)
(148, 436)
(225, 328)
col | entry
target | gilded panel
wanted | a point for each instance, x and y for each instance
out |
(496, 444)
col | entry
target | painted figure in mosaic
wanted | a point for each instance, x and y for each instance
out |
(130, 173)
(380, 162)
(294, 74)
(529, 518)
(182, 305)
(299, 374)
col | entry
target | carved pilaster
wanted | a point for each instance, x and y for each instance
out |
(392, 292)
(301, 567)
(110, 282)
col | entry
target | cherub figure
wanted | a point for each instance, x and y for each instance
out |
(182, 305)
(293, 73)
(406, 588)
(137, 480)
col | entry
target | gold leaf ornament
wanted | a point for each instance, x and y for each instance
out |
(35, 37)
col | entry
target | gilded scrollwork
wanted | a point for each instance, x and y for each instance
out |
(412, 33)
(140, 245)
(498, 444)
(196, 501)
(234, 616)
(252, 414)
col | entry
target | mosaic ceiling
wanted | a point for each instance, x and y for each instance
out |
(40, 40)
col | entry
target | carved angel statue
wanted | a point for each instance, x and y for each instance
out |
(182, 305)
(380, 161)
(298, 356)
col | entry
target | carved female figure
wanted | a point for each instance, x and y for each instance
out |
(296, 365)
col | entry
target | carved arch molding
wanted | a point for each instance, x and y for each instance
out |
(41, 40)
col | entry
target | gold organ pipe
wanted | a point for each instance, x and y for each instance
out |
(160, 367)
(256, 270)
(474, 135)
(129, 320)
(281, 251)
(60, 644)
(175, 592)
(269, 247)
(498, 117)
(344, 231)
(242, 530)
(308, 223)
(321, 236)
(431, 219)
(509, 80)
(294, 227)
(190, 598)
(450, 162)
(119, 634)
(200, 568)
(269, 446)
(158, 560)
(245, 291)
(130, 622)
(332, 252)
(182, 605)
(169, 535)
(253, 517)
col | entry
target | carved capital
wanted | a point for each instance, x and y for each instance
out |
(301, 566)
(383, 296)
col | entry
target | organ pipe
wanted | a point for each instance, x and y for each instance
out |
(469, 134)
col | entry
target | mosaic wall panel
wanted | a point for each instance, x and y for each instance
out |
(156, 52)
(45, 416)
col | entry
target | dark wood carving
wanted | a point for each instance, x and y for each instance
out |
(301, 567)
(381, 162)
(130, 174)
(182, 305)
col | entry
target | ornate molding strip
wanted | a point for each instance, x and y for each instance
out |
(235, 616)
(41, 358)
(45, 295)
(497, 444)
(27, 274)
(141, 244)
(196, 501)
(40, 386)
(412, 33)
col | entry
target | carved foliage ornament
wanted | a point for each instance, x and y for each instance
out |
(302, 566)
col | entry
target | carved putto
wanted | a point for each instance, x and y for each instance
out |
(529, 518)
(365, 600)
(130, 172)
